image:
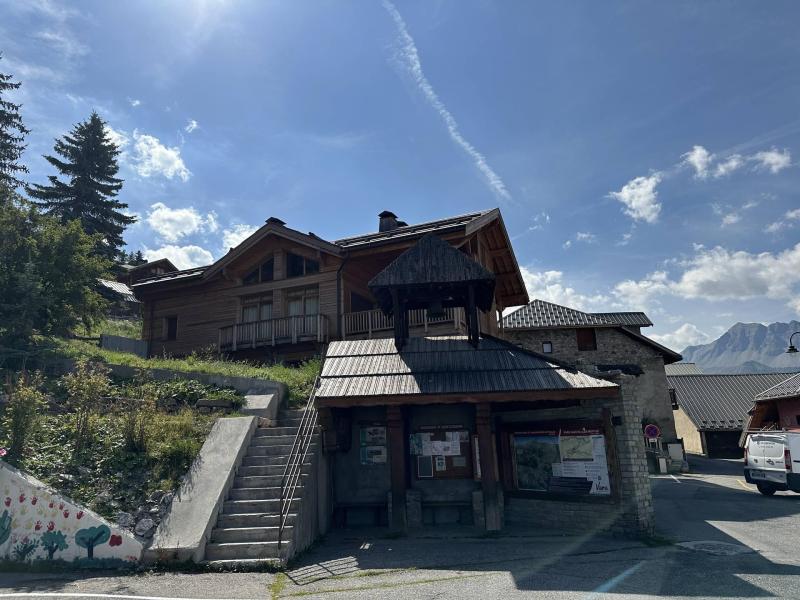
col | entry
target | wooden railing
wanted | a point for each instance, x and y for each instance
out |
(272, 332)
(372, 321)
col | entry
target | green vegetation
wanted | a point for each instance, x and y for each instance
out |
(130, 328)
(299, 380)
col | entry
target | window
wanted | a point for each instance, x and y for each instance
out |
(171, 328)
(257, 309)
(673, 399)
(547, 347)
(303, 302)
(262, 274)
(586, 339)
(297, 266)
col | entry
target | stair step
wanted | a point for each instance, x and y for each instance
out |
(277, 450)
(249, 520)
(260, 481)
(273, 440)
(266, 470)
(271, 431)
(244, 550)
(227, 535)
(254, 493)
(237, 507)
(266, 461)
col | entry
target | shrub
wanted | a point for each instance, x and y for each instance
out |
(22, 415)
(86, 386)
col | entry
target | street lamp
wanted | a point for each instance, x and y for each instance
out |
(791, 349)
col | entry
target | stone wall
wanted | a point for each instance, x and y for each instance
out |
(613, 348)
(37, 524)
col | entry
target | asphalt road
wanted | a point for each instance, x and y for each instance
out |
(721, 540)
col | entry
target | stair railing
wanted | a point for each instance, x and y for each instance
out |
(293, 473)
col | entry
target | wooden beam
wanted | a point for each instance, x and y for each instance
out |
(397, 466)
(491, 506)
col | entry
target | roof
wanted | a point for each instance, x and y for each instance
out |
(165, 262)
(788, 388)
(194, 273)
(546, 315)
(120, 289)
(682, 368)
(720, 402)
(438, 226)
(442, 365)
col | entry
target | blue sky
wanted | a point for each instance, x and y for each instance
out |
(644, 154)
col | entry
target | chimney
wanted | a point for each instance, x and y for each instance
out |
(388, 221)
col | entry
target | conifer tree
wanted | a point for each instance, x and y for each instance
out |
(87, 159)
(12, 135)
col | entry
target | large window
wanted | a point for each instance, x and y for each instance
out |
(303, 302)
(257, 309)
(297, 266)
(263, 273)
(586, 339)
(170, 328)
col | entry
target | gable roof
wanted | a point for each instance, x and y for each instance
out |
(720, 402)
(443, 365)
(682, 368)
(546, 315)
(159, 262)
(788, 388)
(118, 289)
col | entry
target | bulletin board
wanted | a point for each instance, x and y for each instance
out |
(372, 443)
(441, 452)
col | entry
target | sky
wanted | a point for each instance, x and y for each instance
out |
(644, 155)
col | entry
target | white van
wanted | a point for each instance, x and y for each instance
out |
(772, 461)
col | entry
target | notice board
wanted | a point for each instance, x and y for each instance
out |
(441, 452)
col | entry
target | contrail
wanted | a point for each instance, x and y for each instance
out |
(410, 55)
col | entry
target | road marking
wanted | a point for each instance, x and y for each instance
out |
(118, 596)
(675, 478)
(609, 585)
(744, 485)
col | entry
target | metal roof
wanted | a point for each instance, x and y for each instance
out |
(441, 365)
(787, 388)
(175, 275)
(119, 289)
(720, 402)
(543, 314)
(682, 368)
(438, 226)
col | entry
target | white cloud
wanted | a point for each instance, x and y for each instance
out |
(641, 294)
(64, 42)
(566, 245)
(685, 335)
(699, 159)
(729, 165)
(151, 157)
(134, 102)
(585, 236)
(773, 160)
(235, 235)
(172, 224)
(409, 57)
(789, 220)
(183, 257)
(550, 286)
(191, 126)
(640, 198)
(118, 137)
(731, 219)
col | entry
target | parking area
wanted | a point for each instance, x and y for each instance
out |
(718, 537)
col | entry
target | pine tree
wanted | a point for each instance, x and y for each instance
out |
(12, 136)
(88, 161)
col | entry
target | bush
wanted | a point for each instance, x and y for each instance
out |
(21, 419)
(86, 386)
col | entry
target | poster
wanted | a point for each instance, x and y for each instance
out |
(441, 463)
(373, 455)
(424, 467)
(373, 435)
(563, 461)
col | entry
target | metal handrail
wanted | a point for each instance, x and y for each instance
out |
(292, 473)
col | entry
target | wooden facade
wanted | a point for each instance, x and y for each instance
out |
(309, 291)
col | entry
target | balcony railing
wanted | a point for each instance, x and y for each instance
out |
(274, 332)
(374, 321)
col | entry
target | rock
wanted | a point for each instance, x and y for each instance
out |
(66, 477)
(103, 496)
(125, 519)
(166, 499)
(156, 497)
(142, 512)
(145, 528)
(84, 471)
(154, 510)
(209, 403)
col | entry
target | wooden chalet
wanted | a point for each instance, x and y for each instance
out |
(282, 294)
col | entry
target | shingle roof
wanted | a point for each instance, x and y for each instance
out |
(787, 388)
(720, 401)
(120, 289)
(441, 365)
(682, 368)
(540, 313)
(438, 226)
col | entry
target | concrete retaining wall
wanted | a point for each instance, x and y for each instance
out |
(184, 532)
(37, 524)
(124, 344)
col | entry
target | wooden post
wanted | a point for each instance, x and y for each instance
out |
(397, 456)
(491, 507)
(472, 321)
(219, 340)
(235, 335)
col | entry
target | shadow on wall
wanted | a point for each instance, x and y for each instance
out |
(37, 524)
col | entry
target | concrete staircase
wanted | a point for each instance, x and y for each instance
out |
(247, 528)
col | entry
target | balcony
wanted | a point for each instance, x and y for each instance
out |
(273, 332)
(370, 323)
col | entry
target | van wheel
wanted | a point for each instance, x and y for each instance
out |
(765, 489)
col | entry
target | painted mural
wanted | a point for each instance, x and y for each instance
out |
(38, 524)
